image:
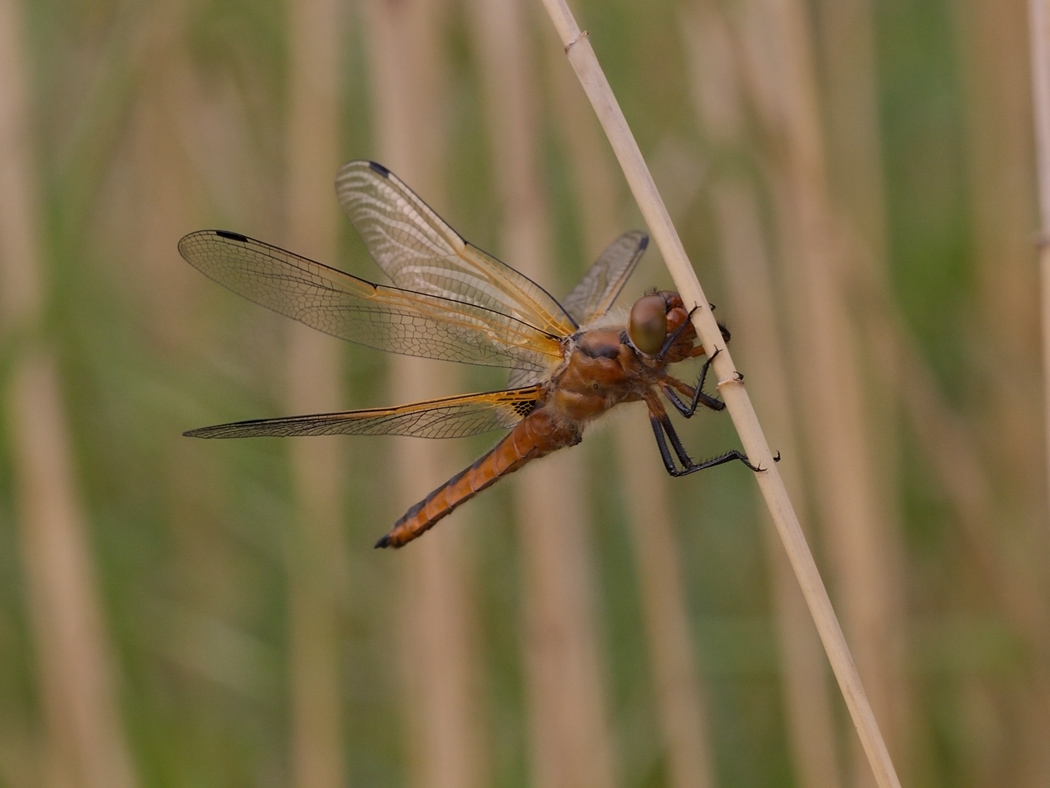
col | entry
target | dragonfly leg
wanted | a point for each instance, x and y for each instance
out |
(697, 394)
(664, 432)
(672, 338)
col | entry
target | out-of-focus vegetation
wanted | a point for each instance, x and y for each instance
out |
(922, 475)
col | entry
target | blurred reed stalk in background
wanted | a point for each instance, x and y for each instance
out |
(439, 664)
(591, 76)
(856, 513)
(717, 86)
(564, 669)
(832, 392)
(1039, 43)
(995, 73)
(82, 742)
(1001, 175)
(316, 548)
(677, 675)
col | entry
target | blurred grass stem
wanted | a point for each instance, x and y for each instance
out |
(718, 99)
(315, 551)
(1039, 30)
(84, 744)
(584, 62)
(678, 680)
(441, 669)
(567, 707)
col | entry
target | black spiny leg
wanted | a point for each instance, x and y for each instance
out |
(699, 395)
(664, 431)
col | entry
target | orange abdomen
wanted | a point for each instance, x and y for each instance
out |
(533, 437)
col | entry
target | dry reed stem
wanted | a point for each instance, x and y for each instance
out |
(811, 725)
(811, 718)
(1000, 166)
(717, 95)
(947, 440)
(162, 192)
(997, 132)
(678, 687)
(315, 548)
(85, 743)
(75, 665)
(584, 62)
(848, 69)
(860, 520)
(678, 682)
(567, 708)
(1039, 31)
(439, 660)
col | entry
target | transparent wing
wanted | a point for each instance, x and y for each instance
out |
(450, 417)
(387, 318)
(420, 252)
(595, 293)
(604, 280)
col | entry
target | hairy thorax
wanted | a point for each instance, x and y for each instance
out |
(601, 371)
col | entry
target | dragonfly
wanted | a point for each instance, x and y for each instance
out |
(569, 362)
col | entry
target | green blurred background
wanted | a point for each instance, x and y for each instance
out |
(854, 182)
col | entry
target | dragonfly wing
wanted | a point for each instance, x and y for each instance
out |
(419, 251)
(387, 318)
(604, 280)
(450, 417)
(595, 293)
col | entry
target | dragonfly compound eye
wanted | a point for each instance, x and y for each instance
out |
(647, 326)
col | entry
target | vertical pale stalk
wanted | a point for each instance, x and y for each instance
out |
(811, 726)
(946, 437)
(1001, 174)
(86, 745)
(858, 518)
(678, 687)
(854, 149)
(440, 662)
(567, 708)
(581, 57)
(315, 549)
(162, 194)
(1039, 35)
(678, 682)
(849, 71)
(754, 307)
(1039, 44)
(850, 417)
(991, 40)
(947, 441)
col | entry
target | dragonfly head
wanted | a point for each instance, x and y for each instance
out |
(655, 318)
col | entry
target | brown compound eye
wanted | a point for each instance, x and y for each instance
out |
(647, 326)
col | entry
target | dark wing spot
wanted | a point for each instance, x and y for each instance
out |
(523, 409)
(232, 236)
(379, 168)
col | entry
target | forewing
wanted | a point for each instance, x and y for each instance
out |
(387, 318)
(604, 280)
(450, 417)
(419, 251)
